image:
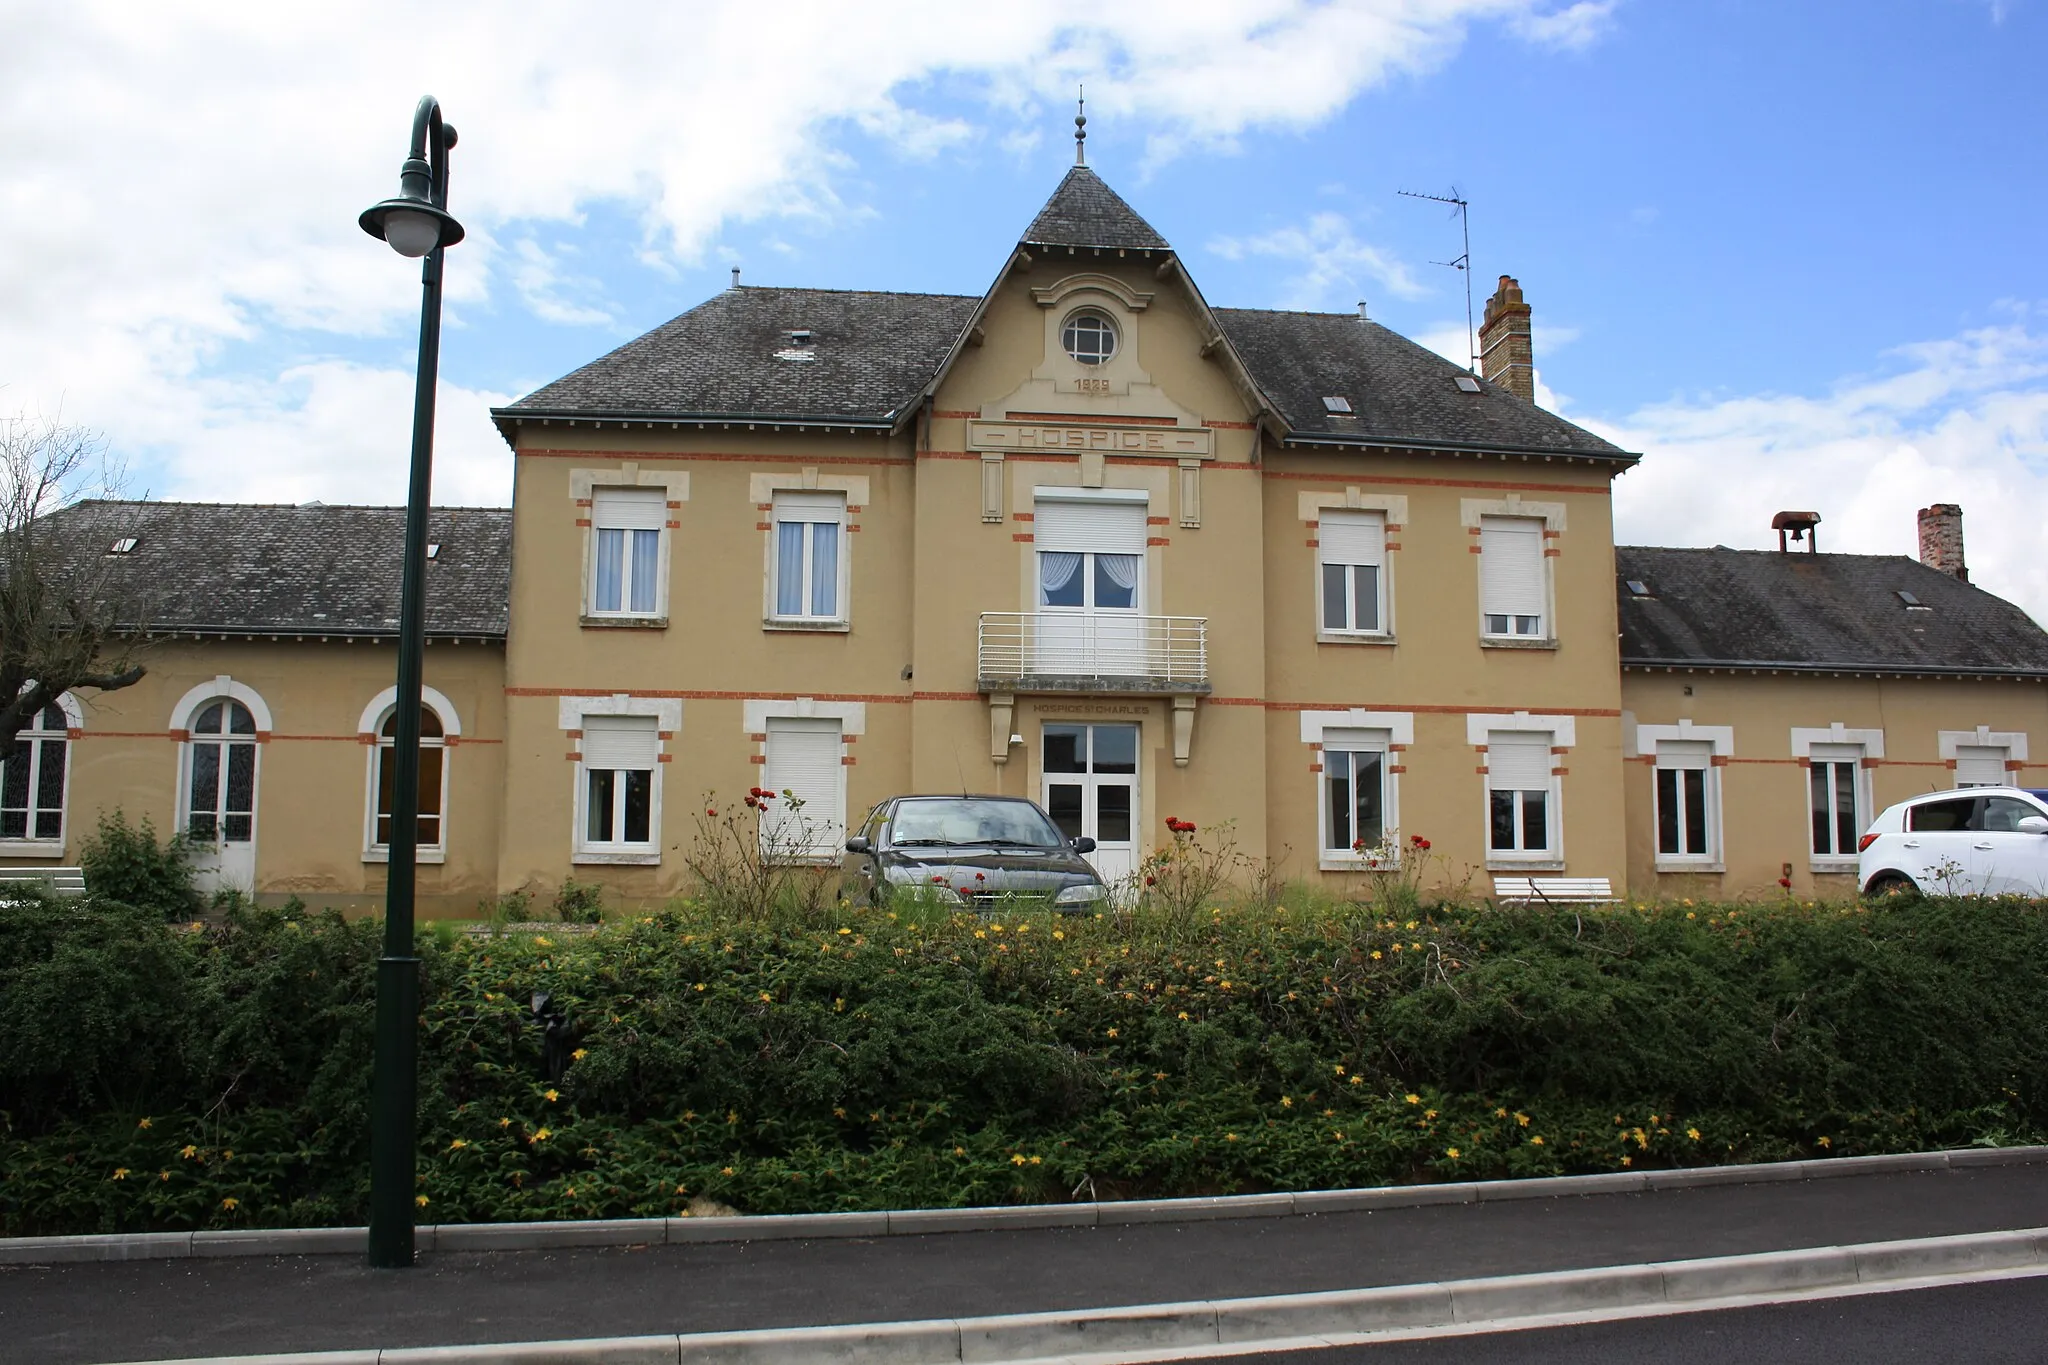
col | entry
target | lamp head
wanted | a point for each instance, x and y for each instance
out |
(413, 227)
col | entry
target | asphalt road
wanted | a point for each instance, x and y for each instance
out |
(1985, 1324)
(91, 1313)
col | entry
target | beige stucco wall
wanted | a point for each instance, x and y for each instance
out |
(313, 766)
(1764, 805)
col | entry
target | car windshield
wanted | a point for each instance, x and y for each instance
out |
(952, 821)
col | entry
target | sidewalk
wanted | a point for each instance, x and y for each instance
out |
(81, 1314)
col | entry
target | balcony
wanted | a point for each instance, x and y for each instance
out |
(1092, 651)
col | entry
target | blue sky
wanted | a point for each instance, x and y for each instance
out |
(1787, 251)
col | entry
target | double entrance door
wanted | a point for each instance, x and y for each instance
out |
(1091, 788)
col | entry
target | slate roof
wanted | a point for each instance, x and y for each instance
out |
(1399, 391)
(870, 355)
(1084, 211)
(242, 568)
(1808, 612)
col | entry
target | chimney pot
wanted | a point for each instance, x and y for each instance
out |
(1941, 540)
(1506, 355)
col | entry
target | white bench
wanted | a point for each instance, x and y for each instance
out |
(62, 881)
(1554, 890)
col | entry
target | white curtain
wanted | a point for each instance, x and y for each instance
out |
(1056, 569)
(1121, 570)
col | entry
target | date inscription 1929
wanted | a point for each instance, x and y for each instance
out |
(1092, 385)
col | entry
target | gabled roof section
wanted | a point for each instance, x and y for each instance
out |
(244, 569)
(866, 357)
(1084, 211)
(1400, 393)
(1816, 613)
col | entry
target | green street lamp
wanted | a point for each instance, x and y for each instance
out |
(416, 224)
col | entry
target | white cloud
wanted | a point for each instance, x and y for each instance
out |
(1572, 29)
(536, 274)
(1961, 420)
(1335, 263)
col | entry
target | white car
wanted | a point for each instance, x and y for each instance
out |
(1977, 841)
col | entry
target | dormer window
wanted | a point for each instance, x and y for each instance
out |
(1090, 337)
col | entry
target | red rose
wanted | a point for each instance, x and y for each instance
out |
(1785, 882)
(711, 812)
(981, 876)
(1151, 881)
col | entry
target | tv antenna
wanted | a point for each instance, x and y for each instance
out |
(1461, 207)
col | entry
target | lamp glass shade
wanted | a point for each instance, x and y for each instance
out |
(410, 232)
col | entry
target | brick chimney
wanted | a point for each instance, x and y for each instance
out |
(1505, 355)
(1941, 539)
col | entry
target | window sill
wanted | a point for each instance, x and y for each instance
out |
(31, 848)
(423, 856)
(815, 627)
(1677, 866)
(1505, 642)
(590, 622)
(1362, 637)
(584, 857)
(1832, 867)
(1525, 864)
(1330, 862)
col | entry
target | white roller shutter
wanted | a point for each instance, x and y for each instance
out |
(803, 757)
(810, 506)
(1352, 537)
(1105, 528)
(625, 742)
(1836, 753)
(1684, 753)
(1518, 760)
(629, 509)
(1980, 765)
(1511, 566)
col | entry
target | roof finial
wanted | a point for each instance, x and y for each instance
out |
(1081, 127)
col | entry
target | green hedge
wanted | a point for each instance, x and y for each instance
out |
(153, 1077)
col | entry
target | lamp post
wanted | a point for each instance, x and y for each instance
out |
(416, 224)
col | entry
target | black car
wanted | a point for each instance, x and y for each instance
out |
(982, 851)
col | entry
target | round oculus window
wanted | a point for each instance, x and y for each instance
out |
(1089, 337)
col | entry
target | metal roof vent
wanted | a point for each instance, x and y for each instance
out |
(1467, 383)
(1334, 403)
(125, 545)
(1912, 603)
(800, 348)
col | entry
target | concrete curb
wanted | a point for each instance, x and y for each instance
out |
(1205, 1325)
(916, 1222)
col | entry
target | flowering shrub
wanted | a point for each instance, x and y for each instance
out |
(848, 1057)
(761, 858)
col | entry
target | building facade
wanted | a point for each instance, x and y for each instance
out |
(1083, 538)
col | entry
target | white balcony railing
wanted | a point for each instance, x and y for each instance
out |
(1071, 649)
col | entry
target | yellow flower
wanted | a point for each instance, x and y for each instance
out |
(579, 1054)
(553, 1095)
(1521, 1118)
(1429, 1113)
(1626, 1161)
(1339, 1071)
(457, 1145)
(1230, 1137)
(1693, 1133)
(1500, 1113)
(539, 1135)
(420, 1200)
(1059, 933)
(144, 1124)
(846, 931)
(1016, 1158)
(1397, 947)
(504, 1123)
(959, 1151)
(1112, 1033)
(1824, 1142)
(1375, 955)
(163, 1175)
(1037, 1160)
(1689, 915)
(1286, 1102)
(1451, 1152)
(700, 985)
(1183, 1014)
(188, 1151)
(766, 997)
(1412, 1099)
(120, 1173)
(682, 1189)
(541, 941)
(231, 1203)
(227, 1156)
(1415, 947)
(981, 933)
(1358, 1080)
(838, 1113)
(726, 1171)
(1536, 1141)
(1411, 924)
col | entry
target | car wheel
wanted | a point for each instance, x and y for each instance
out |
(1891, 886)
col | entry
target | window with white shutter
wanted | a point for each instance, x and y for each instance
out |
(621, 757)
(626, 526)
(808, 573)
(1521, 810)
(1513, 589)
(1688, 801)
(803, 762)
(1835, 799)
(1090, 553)
(1351, 560)
(1982, 765)
(1358, 791)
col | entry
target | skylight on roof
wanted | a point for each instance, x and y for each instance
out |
(124, 545)
(1638, 588)
(1336, 403)
(1912, 603)
(433, 549)
(1467, 383)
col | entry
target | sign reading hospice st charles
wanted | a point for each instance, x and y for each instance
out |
(1166, 442)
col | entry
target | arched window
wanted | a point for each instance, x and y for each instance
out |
(433, 787)
(220, 796)
(32, 781)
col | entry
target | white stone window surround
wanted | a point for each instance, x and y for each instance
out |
(1393, 731)
(1563, 732)
(761, 491)
(31, 847)
(1471, 511)
(853, 723)
(2014, 742)
(367, 730)
(1872, 744)
(1641, 741)
(1393, 507)
(222, 687)
(1091, 292)
(668, 724)
(583, 485)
